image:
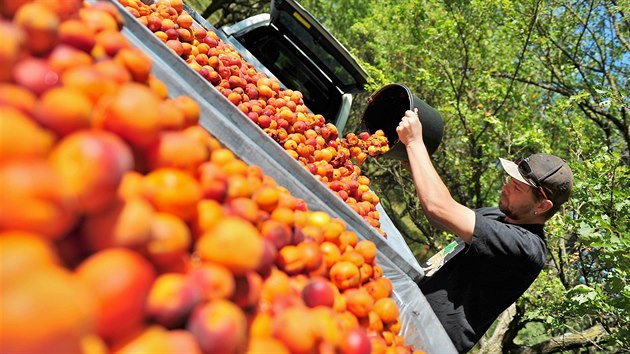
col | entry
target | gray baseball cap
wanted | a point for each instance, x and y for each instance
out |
(545, 171)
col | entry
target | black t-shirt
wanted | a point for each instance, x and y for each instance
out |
(471, 290)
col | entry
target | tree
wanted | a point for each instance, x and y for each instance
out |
(511, 78)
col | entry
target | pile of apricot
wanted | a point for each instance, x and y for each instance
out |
(281, 113)
(125, 227)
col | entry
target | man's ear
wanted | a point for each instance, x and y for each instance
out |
(544, 206)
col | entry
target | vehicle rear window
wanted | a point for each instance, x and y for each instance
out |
(317, 51)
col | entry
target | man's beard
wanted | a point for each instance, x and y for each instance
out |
(504, 209)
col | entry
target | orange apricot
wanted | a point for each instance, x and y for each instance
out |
(358, 301)
(23, 252)
(127, 223)
(21, 138)
(189, 107)
(45, 310)
(175, 149)
(262, 345)
(173, 191)
(345, 275)
(367, 249)
(169, 239)
(234, 243)
(63, 110)
(379, 288)
(32, 199)
(290, 259)
(132, 113)
(386, 309)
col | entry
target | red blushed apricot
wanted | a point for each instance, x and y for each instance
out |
(41, 26)
(121, 280)
(214, 281)
(177, 150)
(171, 300)
(91, 165)
(219, 327)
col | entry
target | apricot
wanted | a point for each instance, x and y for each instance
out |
(98, 20)
(177, 150)
(181, 340)
(355, 341)
(20, 137)
(277, 232)
(35, 75)
(151, 339)
(41, 26)
(63, 110)
(247, 291)
(23, 252)
(92, 82)
(299, 339)
(136, 62)
(318, 292)
(121, 280)
(32, 200)
(345, 275)
(171, 300)
(214, 281)
(219, 327)
(64, 9)
(111, 42)
(358, 301)
(258, 345)
(127, 223)
(45, 310)
(64, 57)
(169, 240)
(189, 107)
(386, 309)
(173, 191)
(209, 212)
(234, 243)
(76, 34)
(91, 165)
(132, 113)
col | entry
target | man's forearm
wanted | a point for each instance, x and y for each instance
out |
(438, 204)
(429, 186)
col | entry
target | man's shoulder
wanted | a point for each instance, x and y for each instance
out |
(490, 212)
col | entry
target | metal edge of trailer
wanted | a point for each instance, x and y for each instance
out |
(251, 144)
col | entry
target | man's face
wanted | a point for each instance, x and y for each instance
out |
(517, 200)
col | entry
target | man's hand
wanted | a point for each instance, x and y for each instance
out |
(410, 129)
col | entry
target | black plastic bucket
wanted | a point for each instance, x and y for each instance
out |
(385, 109)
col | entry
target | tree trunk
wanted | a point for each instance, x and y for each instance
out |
(494, 344)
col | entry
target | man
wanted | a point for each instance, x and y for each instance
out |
(505, 247)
